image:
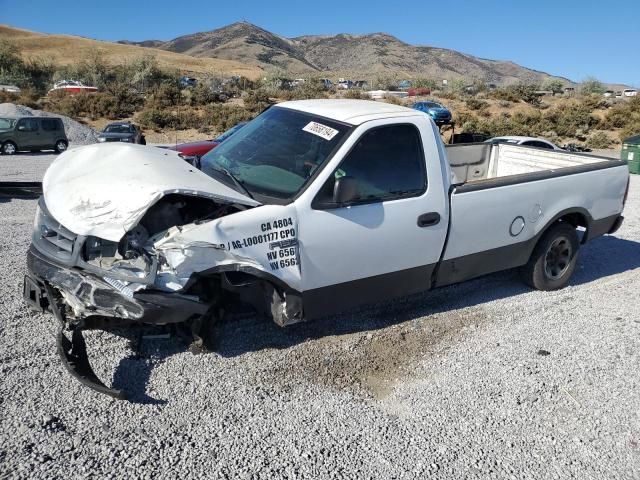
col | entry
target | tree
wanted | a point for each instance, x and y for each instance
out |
(10, 59)
(553, 85)
(592, 85)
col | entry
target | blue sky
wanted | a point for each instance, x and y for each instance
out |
(572, 38)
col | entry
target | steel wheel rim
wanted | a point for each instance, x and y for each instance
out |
(9, 149)
(61, 146)
(558, 258)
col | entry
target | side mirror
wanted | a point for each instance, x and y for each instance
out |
(22, 128)
(192, 159)
(345, 190)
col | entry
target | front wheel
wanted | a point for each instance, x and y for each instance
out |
(9, 148)
(61, 146)
(554, 259)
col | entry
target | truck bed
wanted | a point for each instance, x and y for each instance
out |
(478, 162)
(504, 197)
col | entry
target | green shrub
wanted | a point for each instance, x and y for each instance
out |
(167, 94)
(598, 140)
(476, 104)
(257, 100)
(356, 95)
(309, 89)
(158, 119)
(516, 93)
(393, 100)
(591, 86)
(223, 117)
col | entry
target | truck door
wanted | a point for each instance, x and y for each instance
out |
(27, 133)
(387, 240)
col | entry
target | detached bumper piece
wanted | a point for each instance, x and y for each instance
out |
(73, 353)
(41, 292)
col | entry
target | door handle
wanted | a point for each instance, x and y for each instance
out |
(428, 219)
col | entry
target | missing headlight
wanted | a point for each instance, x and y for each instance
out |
(95, 247)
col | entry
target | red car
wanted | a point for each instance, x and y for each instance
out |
(198, 149)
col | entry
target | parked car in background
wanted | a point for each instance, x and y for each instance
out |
(524, 141)
(72, 87)
(630, 92)
(440, 114)
(608, 93)
(326, 83)
(193, 150)
(32, 133)
(186, 82)
(10, 89)
(418, 91)
(122, 132)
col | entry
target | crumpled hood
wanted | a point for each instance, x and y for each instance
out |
(105, 189)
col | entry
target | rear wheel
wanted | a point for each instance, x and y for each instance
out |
(9, 148)
(61, 146)
(554, 259)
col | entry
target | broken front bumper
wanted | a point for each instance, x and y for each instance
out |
(97, 297)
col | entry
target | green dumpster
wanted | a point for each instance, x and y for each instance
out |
(631, 153)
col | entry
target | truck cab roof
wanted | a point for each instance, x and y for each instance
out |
(354, 112)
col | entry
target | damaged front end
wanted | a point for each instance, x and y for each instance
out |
(180, 259)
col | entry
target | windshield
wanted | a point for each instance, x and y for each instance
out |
(275, 154)
(7, 123)
(229, 132)
(118, 129)
(432, 105)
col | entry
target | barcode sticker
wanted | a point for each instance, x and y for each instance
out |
(320, 130)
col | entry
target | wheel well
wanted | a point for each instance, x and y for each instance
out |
(576, 219)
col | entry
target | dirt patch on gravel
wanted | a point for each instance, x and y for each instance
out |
(373, 362)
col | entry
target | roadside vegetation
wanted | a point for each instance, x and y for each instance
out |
(152, 96)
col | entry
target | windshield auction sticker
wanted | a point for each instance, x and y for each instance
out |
(320, 130)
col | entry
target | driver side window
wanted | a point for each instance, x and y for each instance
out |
(387, 163)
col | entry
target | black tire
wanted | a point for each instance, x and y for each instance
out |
(9, 148)
(554, 259)
(143, 141)
(61, 146)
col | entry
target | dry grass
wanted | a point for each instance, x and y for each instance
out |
(68, 49)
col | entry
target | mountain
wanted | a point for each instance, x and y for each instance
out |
(375, 53)
(67, 49)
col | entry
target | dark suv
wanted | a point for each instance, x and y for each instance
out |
(32, 133)
(122, 132)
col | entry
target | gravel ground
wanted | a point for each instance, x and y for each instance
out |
(486, 379)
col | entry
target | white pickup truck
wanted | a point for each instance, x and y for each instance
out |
(312, 208)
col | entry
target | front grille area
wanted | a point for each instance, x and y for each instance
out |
(52, 238)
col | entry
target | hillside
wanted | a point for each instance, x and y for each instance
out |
(67, 49)
(361, 54)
